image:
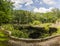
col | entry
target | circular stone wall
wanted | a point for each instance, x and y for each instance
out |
(49, 41)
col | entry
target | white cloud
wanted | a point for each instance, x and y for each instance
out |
(28, 2)
(36, 0)
(17, 6)
(42, 10)
(41, 2)
(50, 2)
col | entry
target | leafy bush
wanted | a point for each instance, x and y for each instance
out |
(3, 39)
(46, 24)
(36, 23)
(39, 32)
(19, 34)
(2, 34)
(8, 27)
(44, 35)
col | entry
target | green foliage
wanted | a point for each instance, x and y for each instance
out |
(5, 11)
(8, 27)
(49, 17)
(22, 17)
(39, 32)
(3, 38)
(1, 34)
(44, 35)
(36, 23)
(3, 44)
(46, 24)
(27, 17)
(19, 34)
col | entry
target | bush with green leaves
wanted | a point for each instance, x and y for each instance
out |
(6, 8)
(3, 38)
(35, 23)
(19, 34)
(8, 27)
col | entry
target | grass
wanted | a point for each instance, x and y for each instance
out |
(3, 39)
(3, 44)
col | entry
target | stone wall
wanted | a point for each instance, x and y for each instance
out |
(49, 41)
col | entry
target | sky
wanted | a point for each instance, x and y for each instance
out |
(41, 6)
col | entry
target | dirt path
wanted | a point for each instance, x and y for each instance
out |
(51, 42)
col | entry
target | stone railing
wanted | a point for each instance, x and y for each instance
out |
(49, 41)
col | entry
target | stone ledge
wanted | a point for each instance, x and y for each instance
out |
(48, 41)
(28, 39)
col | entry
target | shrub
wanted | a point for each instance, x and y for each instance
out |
(8, 27)
(44, 35)
(36, 23)
(19, 34)
(3, 36)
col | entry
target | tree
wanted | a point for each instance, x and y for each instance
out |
(49, 17)
(19, 16)
(23, 17)
(56, 12)
(5, 11)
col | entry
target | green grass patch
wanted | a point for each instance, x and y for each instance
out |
(3, 39)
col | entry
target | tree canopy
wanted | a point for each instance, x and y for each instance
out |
(5, 11)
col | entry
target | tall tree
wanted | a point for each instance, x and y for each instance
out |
(5, 11)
